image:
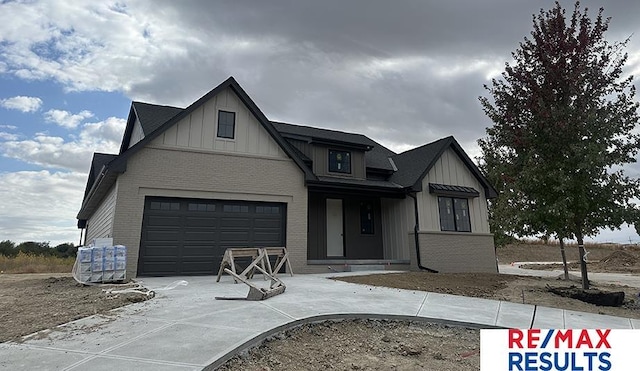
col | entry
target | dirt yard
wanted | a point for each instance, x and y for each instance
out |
(366, 345)
(517, 289)
(29, 303)
(34, 302)
(600, 258)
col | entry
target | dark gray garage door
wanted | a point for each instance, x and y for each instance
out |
(188, 236)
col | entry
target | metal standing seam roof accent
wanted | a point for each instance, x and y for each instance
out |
(446, 188)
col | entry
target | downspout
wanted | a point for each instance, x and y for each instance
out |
(416, 228)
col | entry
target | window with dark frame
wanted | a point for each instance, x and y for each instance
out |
(454, 214)
(202, 207)
(226, 124)
(165, 206)
(339, 161)
(366, 218)
(235, 208)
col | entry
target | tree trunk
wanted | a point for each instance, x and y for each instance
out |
(583, 263)
(564, 260)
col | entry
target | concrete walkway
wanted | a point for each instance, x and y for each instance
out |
(187, 329)
(624, 279)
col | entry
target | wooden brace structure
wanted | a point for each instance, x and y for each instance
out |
(260, 256)
(276, 286)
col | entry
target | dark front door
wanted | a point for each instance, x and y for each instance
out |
(344, 227)
(363, 228)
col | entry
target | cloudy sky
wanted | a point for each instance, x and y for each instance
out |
(402, 72)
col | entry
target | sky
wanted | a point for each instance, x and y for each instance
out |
(404, 73)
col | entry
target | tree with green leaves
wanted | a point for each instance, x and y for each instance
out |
(8, 248)
(563, 128)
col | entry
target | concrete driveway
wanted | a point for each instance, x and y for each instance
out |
(187, 329)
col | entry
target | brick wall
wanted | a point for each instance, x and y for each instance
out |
(456, 252)
(204, 174)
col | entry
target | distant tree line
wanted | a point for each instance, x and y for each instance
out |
(64, 250)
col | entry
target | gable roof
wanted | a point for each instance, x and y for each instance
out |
(152, 116)
(99, 182)
(152, 121)
(376, 155)
(406, 169)
(99, 160)
(228, 83)
(413, 165)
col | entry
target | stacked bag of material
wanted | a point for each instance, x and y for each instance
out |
(100, 262)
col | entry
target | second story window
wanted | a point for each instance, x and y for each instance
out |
(226, 124)
(339, 162)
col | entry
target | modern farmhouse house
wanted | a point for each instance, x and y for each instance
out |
(190, 182)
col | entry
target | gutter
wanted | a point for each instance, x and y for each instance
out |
(416, 228)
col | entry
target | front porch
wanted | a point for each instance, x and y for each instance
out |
(348, 231)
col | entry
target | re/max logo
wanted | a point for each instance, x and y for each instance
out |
(559, 350)
(534, 338)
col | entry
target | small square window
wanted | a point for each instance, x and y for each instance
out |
(226, 124)
(339, 162)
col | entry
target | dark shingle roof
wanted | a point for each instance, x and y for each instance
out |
(99, 160)
(360, 182)
(318, 133)
(377, 157)
(413, 164)
(152, 116)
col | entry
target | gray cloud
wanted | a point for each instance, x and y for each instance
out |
(404, 72)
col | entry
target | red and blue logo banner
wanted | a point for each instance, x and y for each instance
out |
(563, 350)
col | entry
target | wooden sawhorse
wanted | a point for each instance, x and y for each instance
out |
(282, 258)
(241, 252)
(261, 253)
